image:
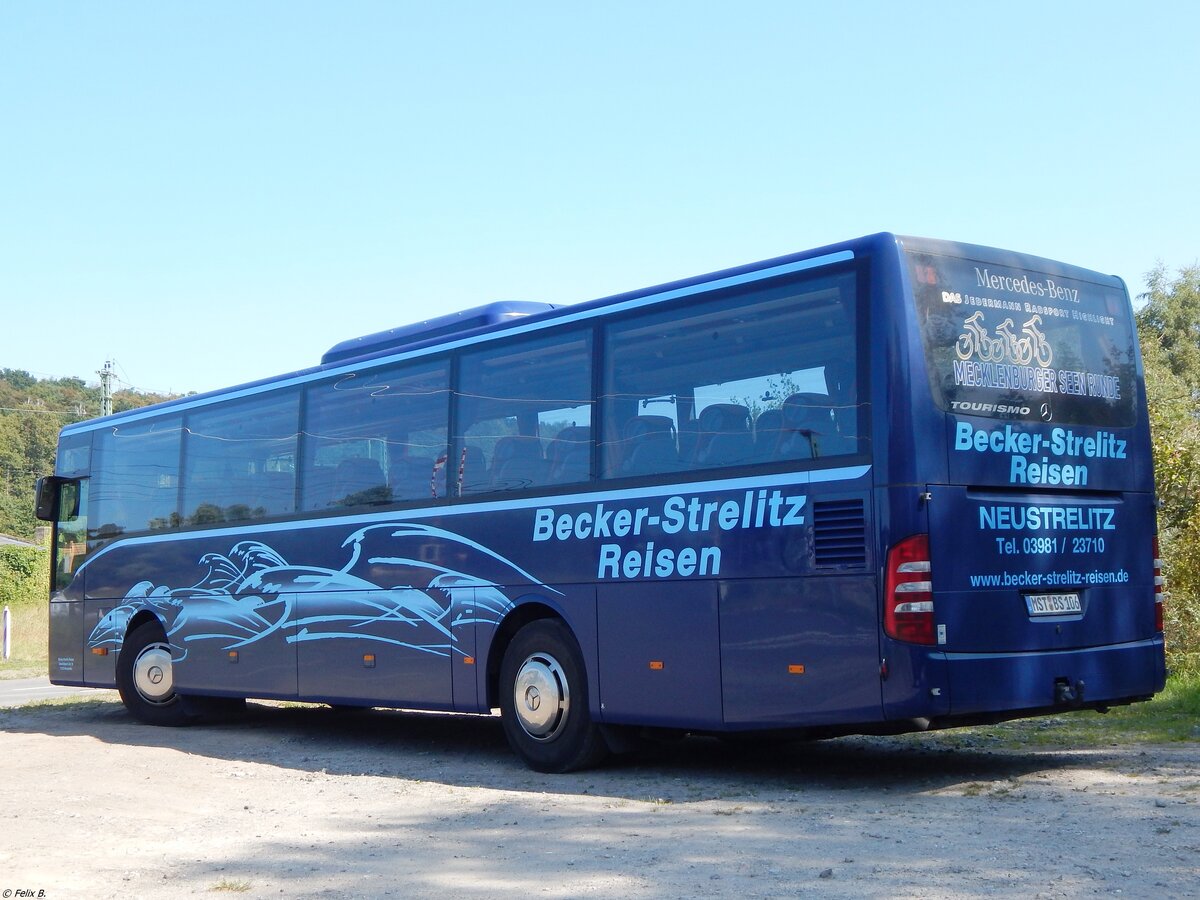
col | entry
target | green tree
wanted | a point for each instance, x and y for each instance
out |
(32, 412)
(1169, 330)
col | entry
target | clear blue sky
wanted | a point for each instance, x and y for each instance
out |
(215, 192)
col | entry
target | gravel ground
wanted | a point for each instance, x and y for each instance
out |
(307, 802)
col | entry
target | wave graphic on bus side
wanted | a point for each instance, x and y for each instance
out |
(252, 593)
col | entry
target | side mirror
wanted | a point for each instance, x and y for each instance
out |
(49, 494)
(46, 505)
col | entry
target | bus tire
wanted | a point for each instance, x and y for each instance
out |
(544, 700)
(145, 678)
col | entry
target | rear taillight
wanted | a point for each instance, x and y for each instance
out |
(908, 601)
(1160, 594)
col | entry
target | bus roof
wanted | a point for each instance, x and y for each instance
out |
(479, 323)
(395, 339)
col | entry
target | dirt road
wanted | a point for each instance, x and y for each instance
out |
(306, 802)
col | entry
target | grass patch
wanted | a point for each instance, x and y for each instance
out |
(1173, 715)
(75, 701)
(228, 885)
(30, 638)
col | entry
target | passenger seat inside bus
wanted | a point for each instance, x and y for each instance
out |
(648, 443)
(724, 435)
(412, 477)
(570, 455)
(517, 463)
(767, 428)
(689, 438)
(808, 430)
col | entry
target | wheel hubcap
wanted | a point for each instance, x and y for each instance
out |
(152, 674)
(542, 697)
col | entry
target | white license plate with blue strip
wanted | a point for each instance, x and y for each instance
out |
(1053, 604)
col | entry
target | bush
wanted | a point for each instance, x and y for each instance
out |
(1180, 548)
(24, 576)
(1169, 331)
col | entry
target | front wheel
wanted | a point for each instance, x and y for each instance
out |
(146, 679)
(544, 700)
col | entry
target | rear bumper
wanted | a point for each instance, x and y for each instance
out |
(997, 682)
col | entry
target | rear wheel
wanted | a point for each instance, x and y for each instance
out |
(146, 679)
(544, 700)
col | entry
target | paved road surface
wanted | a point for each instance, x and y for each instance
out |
(19, 691)
(317, 804)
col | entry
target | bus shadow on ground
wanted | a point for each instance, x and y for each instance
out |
(465, 751)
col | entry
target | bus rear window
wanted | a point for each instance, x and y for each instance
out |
(1013, 343)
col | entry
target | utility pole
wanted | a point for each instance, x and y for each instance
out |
(106, 392)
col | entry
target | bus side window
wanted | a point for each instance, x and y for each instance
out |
(71, 532)
(137, 478)
(371, 438)
(512, 401)
(232, 470)
(755, 355)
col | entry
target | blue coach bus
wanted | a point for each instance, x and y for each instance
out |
(885, 485)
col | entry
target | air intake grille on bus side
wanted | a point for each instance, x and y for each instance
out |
(839, 533)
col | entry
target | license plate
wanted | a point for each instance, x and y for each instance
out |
(1053, 604)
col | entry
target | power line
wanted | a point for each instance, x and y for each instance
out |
(126, 384)
(45, 412)
(122, 379)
